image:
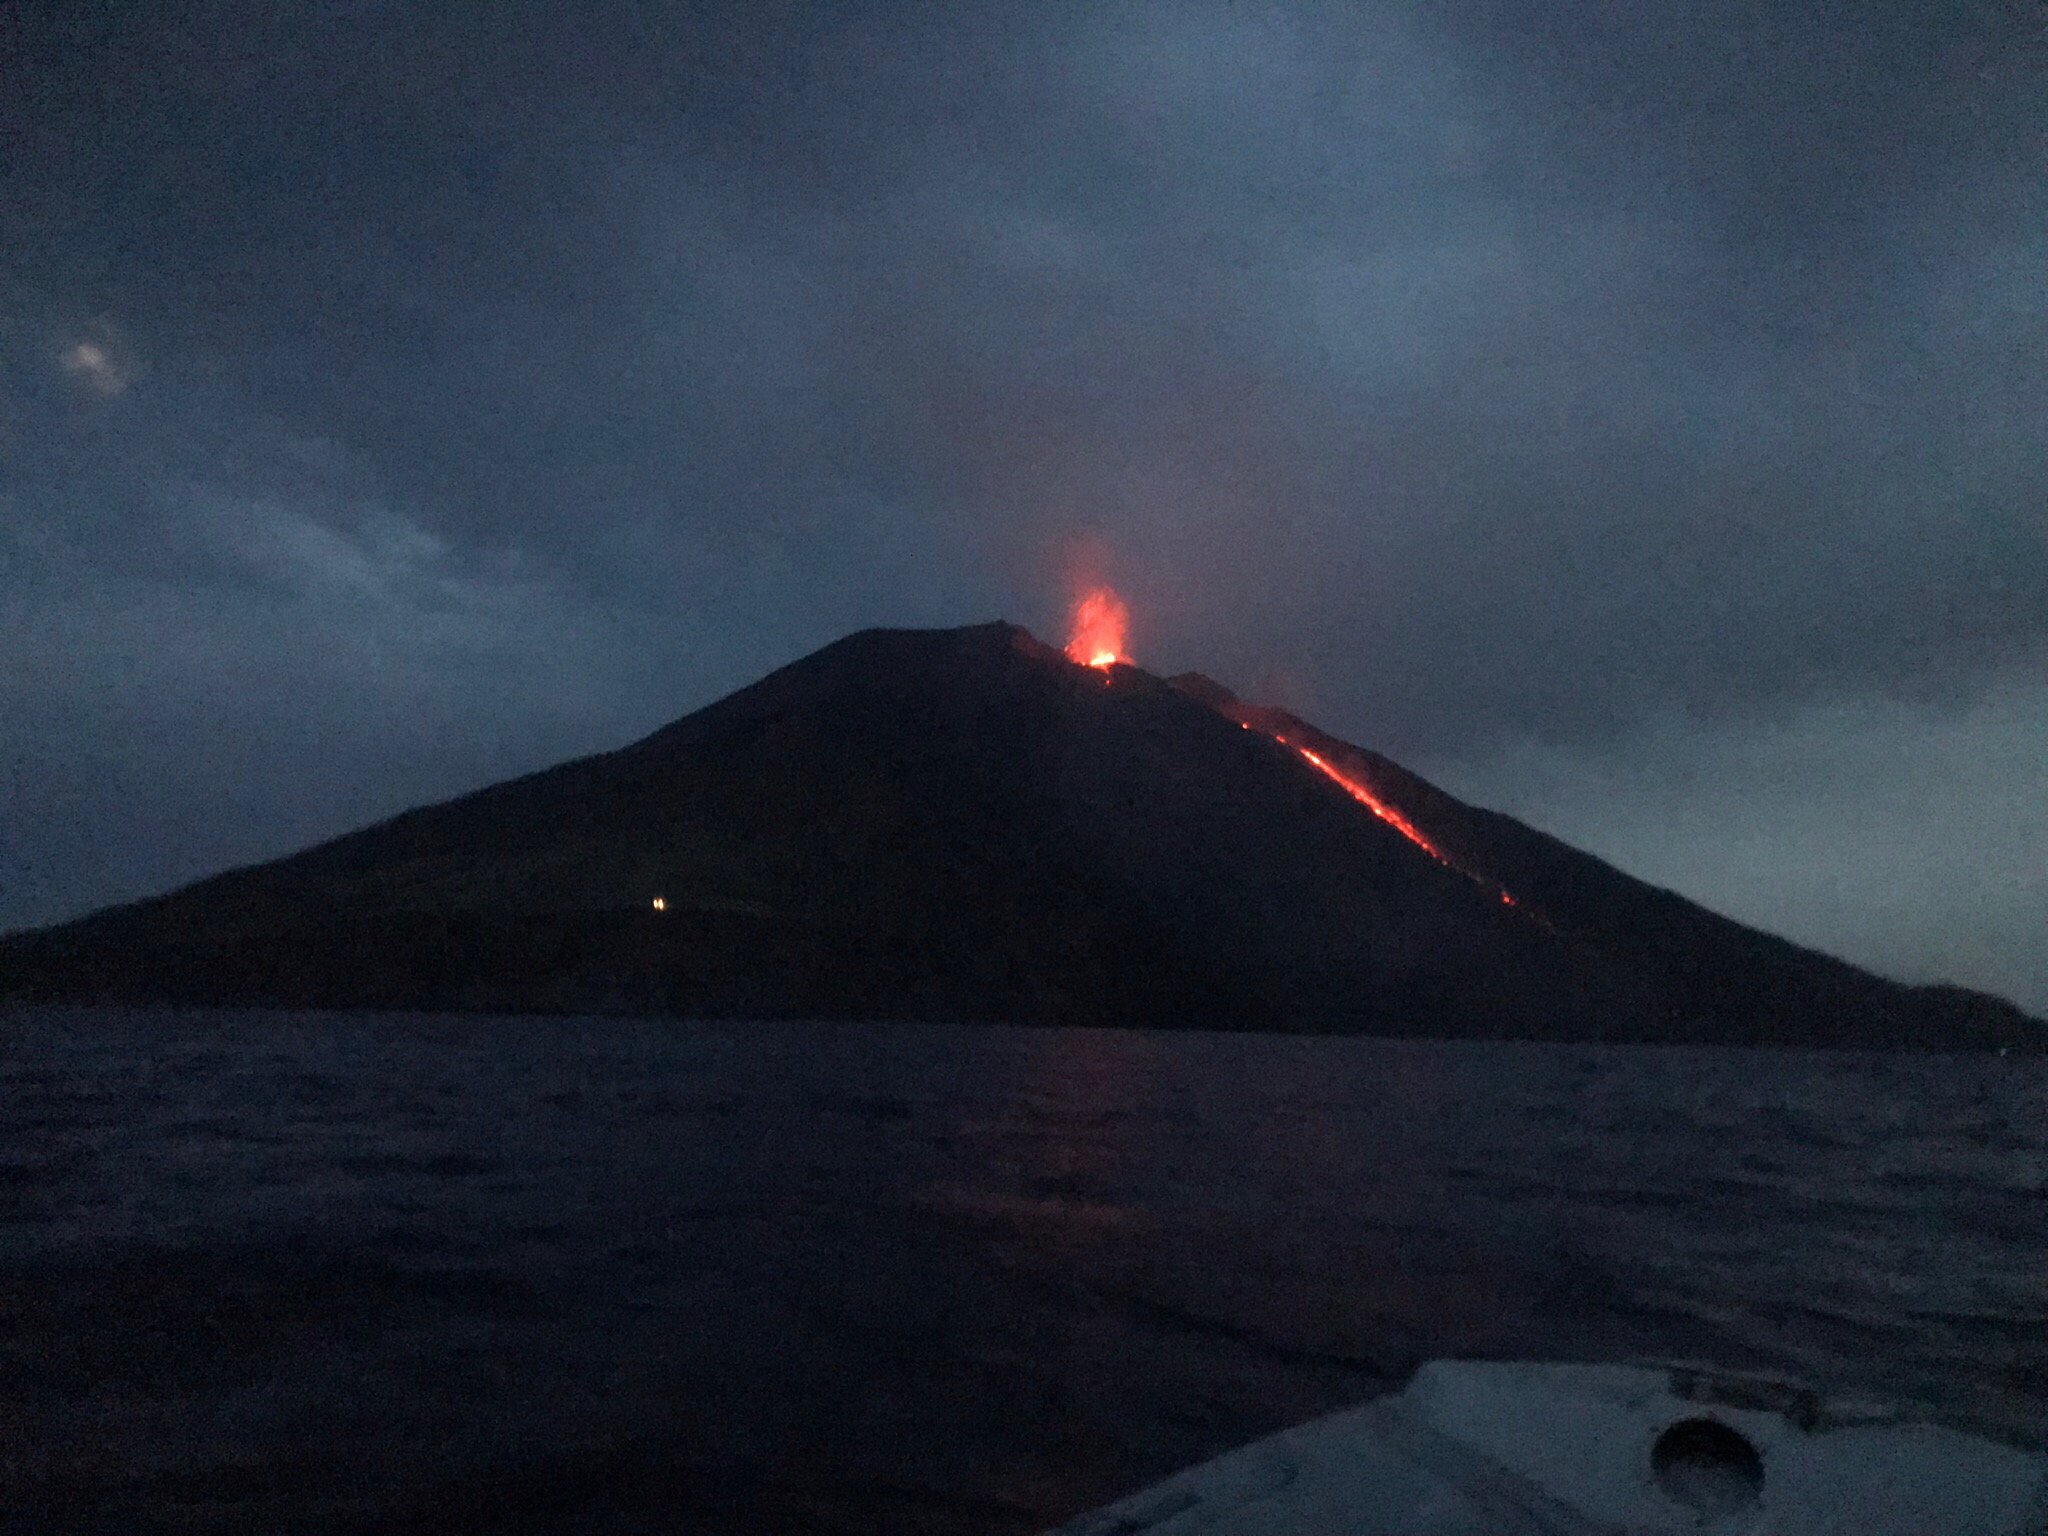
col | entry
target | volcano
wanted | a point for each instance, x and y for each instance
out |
(968, 825)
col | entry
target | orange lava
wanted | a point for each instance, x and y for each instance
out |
(1096, 636)
(1369, 800)
(1387, 813)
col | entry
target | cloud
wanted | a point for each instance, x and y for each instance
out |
(94, 367)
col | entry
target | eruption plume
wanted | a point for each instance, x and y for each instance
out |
(1095, 637)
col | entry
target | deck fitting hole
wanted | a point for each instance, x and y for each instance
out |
(1707, 1467)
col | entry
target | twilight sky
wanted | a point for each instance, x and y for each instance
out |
(1633, 415)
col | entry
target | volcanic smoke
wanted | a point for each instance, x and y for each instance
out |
(1095, 637)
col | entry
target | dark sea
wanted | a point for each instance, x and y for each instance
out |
(309, 1273)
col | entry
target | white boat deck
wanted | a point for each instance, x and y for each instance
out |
(1482, 1449)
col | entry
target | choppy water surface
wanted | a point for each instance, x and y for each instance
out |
(265, 1272)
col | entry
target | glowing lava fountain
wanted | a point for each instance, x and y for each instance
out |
(1095, 638)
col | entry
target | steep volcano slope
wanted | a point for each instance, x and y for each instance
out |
(1714, 978)
(962, 824)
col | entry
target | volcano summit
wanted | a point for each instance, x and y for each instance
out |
(968, 825)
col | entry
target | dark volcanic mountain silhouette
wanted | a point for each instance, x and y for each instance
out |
(962, 824)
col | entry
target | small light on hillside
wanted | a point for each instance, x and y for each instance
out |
(661, 903)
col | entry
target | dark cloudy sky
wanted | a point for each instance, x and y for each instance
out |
(1631, 413)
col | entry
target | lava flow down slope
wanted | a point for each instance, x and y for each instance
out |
(970, 825)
